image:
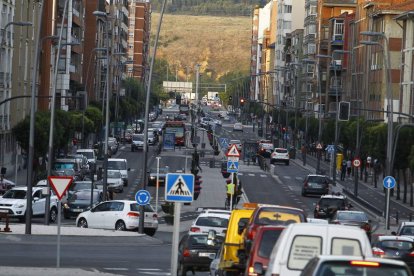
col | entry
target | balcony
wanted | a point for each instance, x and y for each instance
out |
(324, 44)
(337, 40)
(335, 86)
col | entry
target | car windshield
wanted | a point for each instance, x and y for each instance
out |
(407, 230)
(64, 166)
(356, 216)
(16, 194)
(331, 202)
(114, 174)
(138, 138)
(212, 222)
(235, 142)
(317, 179)
(350, 269)
(281, 150)
(116, 165)
(135, 207)
(87, 154)
(81, 185)
(396, 244)
(272, 216)
(83, 195)
(267, 242)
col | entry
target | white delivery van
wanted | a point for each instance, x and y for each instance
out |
(300, 242)
(120, 165)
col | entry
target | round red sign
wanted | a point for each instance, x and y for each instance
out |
(356, 162)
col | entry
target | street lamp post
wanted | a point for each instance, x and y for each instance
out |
(28, 227)
(306, 61)
(390, 111)
(104, 16)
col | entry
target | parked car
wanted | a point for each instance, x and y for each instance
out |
(315, 184)
(80, 201)
(195, 253)
(280, 155)
(354, 265)
(327, 206)
(211, 219)
(396, 248)
(300, 242)
(353, 218)
(238, 127)
(119, 215)
(137, 142)
(266, 238)
(14, 203)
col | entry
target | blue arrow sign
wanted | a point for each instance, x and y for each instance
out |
(232, 166)
(143, 197)
(179, 187)
(389, 182)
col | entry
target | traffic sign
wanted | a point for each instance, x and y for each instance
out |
(233, 159)
(60, 184)
(389, 182)
(233, 151)
(179, 187)
(224, 142)
(143, 197)
(330, 148)
(232, 166)
(356, 162)
(319, 146)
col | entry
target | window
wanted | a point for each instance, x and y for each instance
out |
(303, 249)
(313, 10)
(341, 246)
(287, 25)
(288, 8)
(311, 49)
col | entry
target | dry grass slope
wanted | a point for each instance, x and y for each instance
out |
(218, 44)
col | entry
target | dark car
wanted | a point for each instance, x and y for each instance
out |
(397, 248)
(195, 252)
(81, 185)
(80, 201)
(353, 218)
(152, 177)
(259, 255)
(315, 184)
(327, 206)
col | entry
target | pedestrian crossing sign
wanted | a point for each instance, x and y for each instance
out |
(179, 187)
(232, 166)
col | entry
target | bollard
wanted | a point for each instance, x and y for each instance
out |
(6, 216)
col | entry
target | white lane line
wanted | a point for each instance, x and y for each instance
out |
(263, 175)
(240, 173)
(251, 174)
(286, 177)
(116, 268)
(299, 178)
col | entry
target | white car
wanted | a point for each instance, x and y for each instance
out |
(14, 202)
(114, 181)
(137, 142)
(119, 215)
(238, 127)
(280, 155)
(211, 219)
(237, 143)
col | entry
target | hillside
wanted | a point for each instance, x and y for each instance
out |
(218, 44)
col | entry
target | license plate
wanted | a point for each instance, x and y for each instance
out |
(316, 186)
(78, 210)
(205, 254)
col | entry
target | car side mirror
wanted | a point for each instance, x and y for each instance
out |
(258, 268)
(241, 225)
(394, 233)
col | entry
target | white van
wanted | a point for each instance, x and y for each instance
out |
(300, 242)
(120, 165)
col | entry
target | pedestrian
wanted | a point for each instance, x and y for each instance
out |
(349, 167)
(343, 170)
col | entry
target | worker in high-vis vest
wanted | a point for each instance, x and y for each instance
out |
(230, 192)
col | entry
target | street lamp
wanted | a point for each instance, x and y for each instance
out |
(306, 61)
(104, 16)
(390, 111)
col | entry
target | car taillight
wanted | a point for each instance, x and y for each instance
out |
(411, 254)
(251, 234)
(365, 263)
(133, 214)
(377, 251)
(306, 185)
(251, 271)
(186, 253)
(194, 229)
(154, 216)
(317, 207)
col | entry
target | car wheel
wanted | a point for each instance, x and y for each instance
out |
(82, 223)
(53, 215)
(303, 193)
(287, 163)
(182, 271)
(132, 149)
(120, 226)
(272, 161)
(150, 231)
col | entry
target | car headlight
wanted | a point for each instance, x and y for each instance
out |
(19, 205)
(66, 206)
(152, 177)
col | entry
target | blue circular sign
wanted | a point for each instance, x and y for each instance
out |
(143, 197)
(389, 182)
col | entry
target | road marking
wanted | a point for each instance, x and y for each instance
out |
(116, 268)
(240, 173)
(263, 175)
(286, 177)
(251, 174)
(299, 178)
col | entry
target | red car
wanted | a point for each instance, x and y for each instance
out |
(266, 238)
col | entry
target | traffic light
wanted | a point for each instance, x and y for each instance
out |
(230, 98)
(344, 110)
(197, 186)
(242, 100)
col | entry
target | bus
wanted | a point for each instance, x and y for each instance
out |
(184, 109)
(178, 128)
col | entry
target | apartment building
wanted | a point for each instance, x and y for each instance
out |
(139, 38)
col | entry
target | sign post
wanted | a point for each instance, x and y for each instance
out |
(59, 184)
(389, 183)
(233, 156)
(178, 188)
